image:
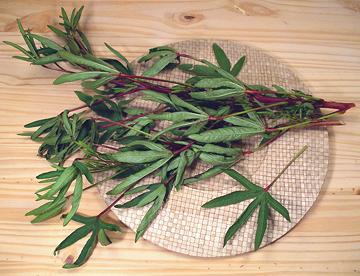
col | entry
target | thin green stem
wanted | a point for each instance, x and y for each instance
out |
(267, 188)
(93, 185)
(250, 110)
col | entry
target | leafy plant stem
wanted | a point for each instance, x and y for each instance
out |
(247, 111)
(152, 79)
(267, 188)
(122, 125)
(108, 208)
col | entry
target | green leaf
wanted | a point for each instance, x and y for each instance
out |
(172, 127)
(76, 197)
(84, 97)
(65, 17)
(217, 94)
(45, 208)
(75, 236)
(57, 31)
(49, 213)
(157, 97)
(261, 223)
(18, 47)
(116, 53)
(136, 157)
(47, 59)
(181, 103)
(225, 134)
(221, 57)
(78, 76)
(50, 174)
(44, 127)
(26, 39)
(238, 66)
(159, 65)
(77, 17)
(103, 238)
(246, 123)
(39, 122)
(183, 163)
(85, 40)
(149, 145)
(216, 159)
(97, 83)
(23, 58)
(150, 197)
(108, 226)
(47, 42)
(133, 202)
(83, 61)
(137, 189)
(83, 219)
(66, 122)
(149, 217)
(67, 176)
(277, 206)
(211, 148)
(84, 170)
(177, 116)
(242, 219)
(154, 54)
(242, 180)
(215, 170)
(229, 199)
(222, 72)
(85, 252)
(132, 179)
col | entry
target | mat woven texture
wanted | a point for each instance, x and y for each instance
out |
(182, 225)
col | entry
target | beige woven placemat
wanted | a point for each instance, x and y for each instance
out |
(183, 226)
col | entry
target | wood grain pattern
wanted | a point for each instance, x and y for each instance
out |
(319, 39)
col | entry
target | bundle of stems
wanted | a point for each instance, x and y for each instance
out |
(208, 116)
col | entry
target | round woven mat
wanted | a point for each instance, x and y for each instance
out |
(183, 226)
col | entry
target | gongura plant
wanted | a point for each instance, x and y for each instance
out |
(207, 116)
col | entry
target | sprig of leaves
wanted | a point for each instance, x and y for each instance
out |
(97, 229)
(261, 199)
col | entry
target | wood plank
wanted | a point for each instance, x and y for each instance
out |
(319, 39)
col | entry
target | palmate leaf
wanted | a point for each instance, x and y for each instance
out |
(262, 199)
(93, 225)
(241, 221)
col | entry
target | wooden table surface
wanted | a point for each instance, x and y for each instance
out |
(319, 39)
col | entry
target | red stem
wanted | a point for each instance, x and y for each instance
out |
(107, 209)
(117, 95)
(177, 152)
(311, 124)
(132, 118)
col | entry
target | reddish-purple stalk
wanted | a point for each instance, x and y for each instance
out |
(117, 95)
(177, 152)
(132, 118)
(108, 208)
